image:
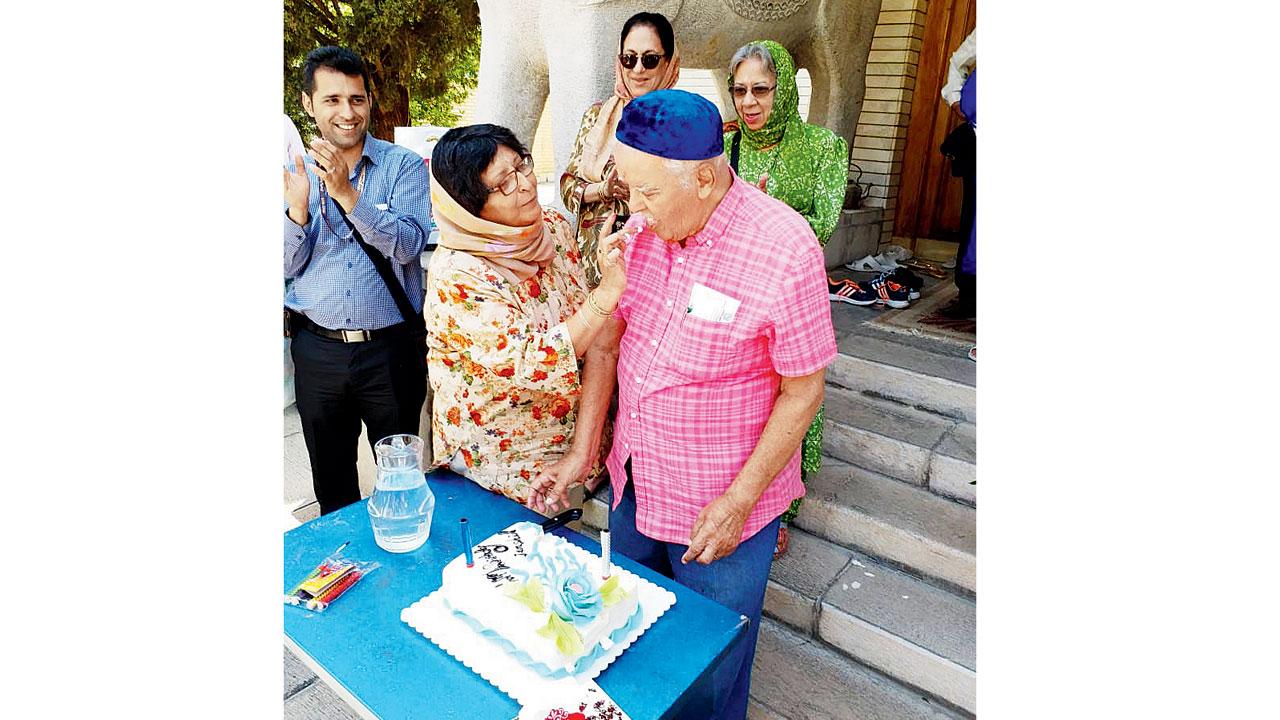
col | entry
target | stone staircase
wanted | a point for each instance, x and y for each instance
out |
(871, 614)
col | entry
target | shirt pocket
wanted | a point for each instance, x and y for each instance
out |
(707, 350)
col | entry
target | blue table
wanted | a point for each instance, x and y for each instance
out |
(385, 669)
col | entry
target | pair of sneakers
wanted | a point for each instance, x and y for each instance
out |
(891, 289)
(882, 290)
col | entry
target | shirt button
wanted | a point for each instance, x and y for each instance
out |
(679, 261)
(633, 416)
(348, 321)
(348, 293)
(637, 379)
(348, 265)
(668, 303)
(653, 343)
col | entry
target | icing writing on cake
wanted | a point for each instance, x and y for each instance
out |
(491, 555)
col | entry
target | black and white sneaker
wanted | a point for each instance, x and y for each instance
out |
(848, 291)
(914, 282)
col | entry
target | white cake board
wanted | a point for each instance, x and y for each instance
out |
(484, 657)
(588, 694)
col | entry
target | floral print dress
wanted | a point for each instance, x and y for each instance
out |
(502, 365)
(591, 216)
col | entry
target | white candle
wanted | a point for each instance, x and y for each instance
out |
(604, 553)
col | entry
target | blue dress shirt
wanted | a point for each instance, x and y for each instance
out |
(334, 282)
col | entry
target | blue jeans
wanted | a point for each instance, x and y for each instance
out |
(736, 581)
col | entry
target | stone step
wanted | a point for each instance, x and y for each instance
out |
(307, 697)
(915, 632)
(927, 639)
(863, 510)
(796, 678)
(909, 370)
(902, 442)
(297, 676)
(893, 521)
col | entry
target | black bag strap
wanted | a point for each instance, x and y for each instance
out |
(733, 149)
(383, 266)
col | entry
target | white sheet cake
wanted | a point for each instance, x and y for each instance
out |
(542, 599)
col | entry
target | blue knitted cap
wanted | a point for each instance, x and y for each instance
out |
(672, 124)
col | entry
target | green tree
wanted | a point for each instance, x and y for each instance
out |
(423, 55)
(440, 110)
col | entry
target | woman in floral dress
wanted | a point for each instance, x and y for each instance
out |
(647, 60)
(510, 322)
(803, 165)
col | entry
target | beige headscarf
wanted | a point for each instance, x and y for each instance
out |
(515, 253)
(597, 145)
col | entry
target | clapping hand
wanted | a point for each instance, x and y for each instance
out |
(762, 182)
(297, 190)
(334, 172)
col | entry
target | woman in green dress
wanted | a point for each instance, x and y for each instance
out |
(803, 165)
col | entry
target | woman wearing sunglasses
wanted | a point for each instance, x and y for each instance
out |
(514, 318)
(803, 165)
(647, 60)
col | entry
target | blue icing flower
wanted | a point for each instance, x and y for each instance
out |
(573, 598)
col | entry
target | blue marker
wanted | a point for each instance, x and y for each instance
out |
(466, 541)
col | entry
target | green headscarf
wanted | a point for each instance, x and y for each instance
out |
(785, 116)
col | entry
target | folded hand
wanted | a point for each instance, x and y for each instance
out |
(718, 530)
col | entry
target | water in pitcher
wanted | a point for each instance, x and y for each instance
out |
(401, 506)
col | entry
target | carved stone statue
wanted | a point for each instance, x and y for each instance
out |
(534, 51)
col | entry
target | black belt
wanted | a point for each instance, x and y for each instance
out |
(298, 320)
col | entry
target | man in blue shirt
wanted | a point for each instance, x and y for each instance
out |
(358, 349)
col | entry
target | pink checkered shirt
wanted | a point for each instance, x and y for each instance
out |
(694, 394)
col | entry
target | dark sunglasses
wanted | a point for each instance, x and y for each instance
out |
(648, 60)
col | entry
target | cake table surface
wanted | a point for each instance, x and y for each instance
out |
(383, 668)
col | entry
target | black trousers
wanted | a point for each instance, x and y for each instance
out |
(961, 147)
(382, 383)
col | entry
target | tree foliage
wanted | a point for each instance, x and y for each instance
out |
(440, 109)
(423, 55)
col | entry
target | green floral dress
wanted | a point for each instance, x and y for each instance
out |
(808, 170)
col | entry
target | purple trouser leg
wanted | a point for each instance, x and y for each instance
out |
(969, 106)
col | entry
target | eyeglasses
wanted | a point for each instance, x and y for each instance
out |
(758, 92)
(511, 182)
(648, 60)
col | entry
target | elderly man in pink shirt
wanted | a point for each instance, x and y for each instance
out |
(723, 336)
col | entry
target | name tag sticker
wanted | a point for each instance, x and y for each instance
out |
(708, 304)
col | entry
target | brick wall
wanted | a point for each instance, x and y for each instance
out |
(881, 136)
